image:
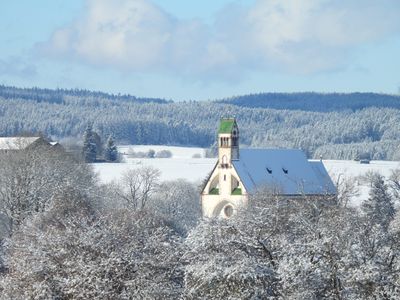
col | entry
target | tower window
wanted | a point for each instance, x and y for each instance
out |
(224, 177)
(234, 141)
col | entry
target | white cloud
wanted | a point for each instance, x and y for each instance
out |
(301, 36)
(308, 36)
(127, 34)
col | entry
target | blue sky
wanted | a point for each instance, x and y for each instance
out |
(196, 50)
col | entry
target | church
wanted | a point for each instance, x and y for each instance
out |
(240, 172)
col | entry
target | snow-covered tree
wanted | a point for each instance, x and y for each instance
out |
(73, 251)
(137, 186)
(316, 257)
(29, 179)
(221, 263)
(394, 182)
(239, 257)
(89, 149)
(99, 144)
(346, 189)
(374, 275)
(110, 151)
(151, 153)
(379, 207)
(394, 261)
(178, 202)
(331, 253)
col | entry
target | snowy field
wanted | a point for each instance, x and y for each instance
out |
(183, 165)
(345, 169)
(180, 165)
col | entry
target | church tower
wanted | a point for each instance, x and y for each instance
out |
(224, 193)
(228, 150)
(228, 142)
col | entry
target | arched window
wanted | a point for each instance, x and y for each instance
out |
(224, 160)
(228, 211)
(234, 141)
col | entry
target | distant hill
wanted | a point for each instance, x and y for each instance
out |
(59, 95)
(315, 101)
(336, 126)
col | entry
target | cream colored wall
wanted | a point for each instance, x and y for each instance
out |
(213, 205)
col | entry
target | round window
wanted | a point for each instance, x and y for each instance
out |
(228, 211)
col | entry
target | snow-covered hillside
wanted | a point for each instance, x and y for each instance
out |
(183, 165)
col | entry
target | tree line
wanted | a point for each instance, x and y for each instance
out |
(311, 101)
(67, 236)
(345, 132)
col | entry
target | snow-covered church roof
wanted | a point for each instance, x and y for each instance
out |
(286, 171)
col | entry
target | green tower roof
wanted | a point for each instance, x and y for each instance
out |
(226, 125)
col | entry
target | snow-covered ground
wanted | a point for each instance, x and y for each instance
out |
(345, 169)
(355, 169)
(177, 152)
(183, 165)
(180, 165)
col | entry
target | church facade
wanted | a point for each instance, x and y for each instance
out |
(240, 172)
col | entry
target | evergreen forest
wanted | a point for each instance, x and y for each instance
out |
(332, 126)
